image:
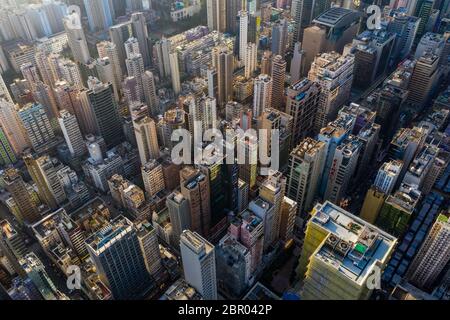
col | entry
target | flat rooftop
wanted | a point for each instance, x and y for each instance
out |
(353, 247)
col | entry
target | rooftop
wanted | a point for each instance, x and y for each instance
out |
(353, 247)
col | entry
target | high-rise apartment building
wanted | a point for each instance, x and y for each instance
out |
(13, 127)
(76, 38)
(243, 32)
(334, 73)
(72, 133)
(433, 256)
(262, 94)
(37, 125)
(387, 176)
(199, 264)
(153, 177)
(250, 59)
(140, 31)
(146, 138)
(278, 79)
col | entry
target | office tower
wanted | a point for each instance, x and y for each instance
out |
(248, 170)
(148, 241)
(242, 195)
(119, 261)
(296, 63)
(302, 101)
(150, 94)
(216, 11)
(43, 172)
(243, 31)
(250, 59)
(233, 267)
(233, 8)
(107, 49)
(175, 72)
(179, 213)
(335, 238)
(423, 12)
(135, 68)
(146, 138)
(105, 73)
(72, 133)
(278, 79)
(397, 210)
(306, 164)
(222, 60)
(334, 73)
(423, 79)
(14, 184)
(387, 176)
(405, 145)
(330, 31)
(140, 31)
(35, 271)
(372, 51)
(279, 37)
(405, 27)
(76, 38)
(433, 255)
(36, 124)
(273, 190)
(7, 155)
(344, 165)
(13, 127)
(262, 94)
(254, 28)
(119, 34)
(153, 177)
(104, 111)
(195, 188)
(199, 264)
(100, 14)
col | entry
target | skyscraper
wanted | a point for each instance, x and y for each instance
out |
(433, 256)
(199, 264)
(279, 37)
(100, 14)
(119, 34)
(104, 110)
(179, 213)
(76, 37)
(262, 94)
(37, 125)
(150, 94)
(28, 212)
(13, 127)
(243, 31)
(119, 261)
(223, 62)
(306, 164)
(302, 101)
(146, 138)
(216, 11)
(278, 79)
(140, 31)
(72, 133)
(175, 72)
(423, 79)
(43, 172)
(250, 59)
(109, 49)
